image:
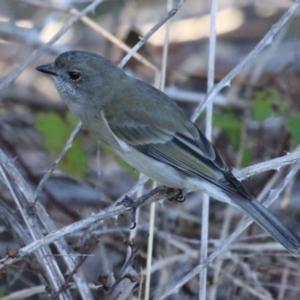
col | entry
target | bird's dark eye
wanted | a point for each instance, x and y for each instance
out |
(74, 75)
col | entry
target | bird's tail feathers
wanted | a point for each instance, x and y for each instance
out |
(269, 223)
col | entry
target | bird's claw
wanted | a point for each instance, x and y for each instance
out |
(179, 197)
(128, 202)
(176, 195)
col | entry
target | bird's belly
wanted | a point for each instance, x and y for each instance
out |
(169, 176)
(160, 172)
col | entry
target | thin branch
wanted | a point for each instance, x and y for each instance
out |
(92, 24)
(247, 287)
(273, 164)
(48, 224)
(208, 131)
(113, 211)
(267, 40)
(47, 175)
(116, 210)
(8, 79)
(47, 263)
(82, 224)
(171, 13)
(251, 274)
(161, 86)
(226, 243)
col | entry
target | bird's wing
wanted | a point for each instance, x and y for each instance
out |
(187, 151)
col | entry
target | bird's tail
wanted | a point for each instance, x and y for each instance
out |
(269, 223)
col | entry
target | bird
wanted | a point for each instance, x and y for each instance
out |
(151, 132)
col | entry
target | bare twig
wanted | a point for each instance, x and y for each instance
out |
(92, 24)
(284, 279)
(47, 175)
(208, 131)
(171, 13)
(267, 40)
(47, 263)
(82, 224)
(222, 248)
(247, 287)
(252, 276)
(161, 86)
(8, 79)
(21, 35)
(44, 218)
(36, 290)
(149, 251)
(273, 164)
(110, 212)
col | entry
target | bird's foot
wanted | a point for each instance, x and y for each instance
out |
(179, 196)
(157, 193)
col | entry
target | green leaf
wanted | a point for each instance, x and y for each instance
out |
(247, 157)
(75, 160)
(268, 104)
(293, 126)
(56, 131)
(230, 124)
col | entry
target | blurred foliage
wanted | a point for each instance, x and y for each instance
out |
(293, 126)
(270, 104)
(56, 131)
(247, 157)
(267, 104)
(230, 124)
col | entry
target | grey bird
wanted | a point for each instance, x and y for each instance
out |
(148, 130)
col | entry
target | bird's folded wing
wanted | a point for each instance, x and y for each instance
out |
(187, 152)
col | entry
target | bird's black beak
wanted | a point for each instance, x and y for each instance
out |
(48, 69)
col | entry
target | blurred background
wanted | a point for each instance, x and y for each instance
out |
(256, 119)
